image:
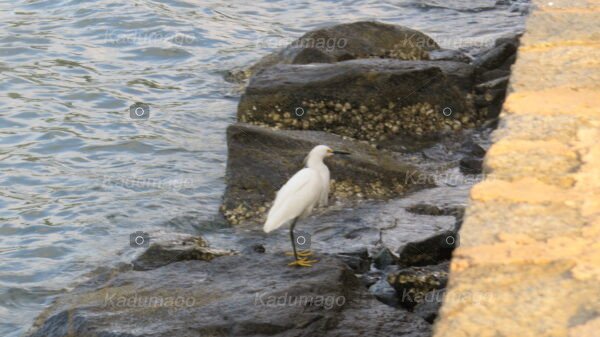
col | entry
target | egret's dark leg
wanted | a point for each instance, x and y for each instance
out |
(292, 238)
(302, 261)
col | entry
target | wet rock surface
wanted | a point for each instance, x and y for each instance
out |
(357, 40)
(373, 100)
(430, 306)
(413, 283)
(271, 157)
(193, 298)
(355, 233)
(470, 165)
(366, 92)
(493, 69)
(166, 249)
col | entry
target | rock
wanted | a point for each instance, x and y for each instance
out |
(426, 209)
(491, 95)
(169, 248)
(378, 319)
(373, 100)
(384, 292)
(471, 165)
(370, 225)
(491, 103)
(497, 83)
(370, 278)
(384, 258)
(258, 248)
(357, 40)
(358, 261)
(449, 55)
(430, 306)
(413, 283)
(495, 57)
(471, 148)
(452, 147)
(348, 233)
(492, 75)
(242, 295)
(432, 250)
(271, 157)
(507, 65)
(353, 233)
(513, 39)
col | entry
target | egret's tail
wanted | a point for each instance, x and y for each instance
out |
(275, 219)
(270, 226)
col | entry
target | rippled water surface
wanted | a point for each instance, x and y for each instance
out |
(77, 175)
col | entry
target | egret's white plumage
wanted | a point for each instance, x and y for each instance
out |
(308, 188)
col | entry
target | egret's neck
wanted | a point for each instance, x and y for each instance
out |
(315, 163)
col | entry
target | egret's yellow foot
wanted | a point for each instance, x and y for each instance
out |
(302, 263)
(302, 253)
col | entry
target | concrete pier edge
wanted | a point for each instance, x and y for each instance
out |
(529, 260)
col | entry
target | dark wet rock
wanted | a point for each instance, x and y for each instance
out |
(471, 148)
(373, 318)
(447, 149)
(432, 250)
(384, 258)
(490, 95)
(449, 55)
(258, 248)
(490, 106)
(510, 39)
(370, 277)
(353, 233)
(346, 232)
(169, 248)
(426, 209)
(492, 75)
(359, 260)
(490, 98)
(507, 65)
(496, 63)
(413, 283)
(430, 306)
(471, 165)
(497, 83)
(384, 292)
(373, 100)
(270, 157)
(497, 56)
(199, 298)
(357, 40)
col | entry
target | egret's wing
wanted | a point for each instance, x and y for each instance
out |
(324, 197)
(299, 193)
(296, 182)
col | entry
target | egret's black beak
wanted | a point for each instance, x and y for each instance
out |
(341, 152)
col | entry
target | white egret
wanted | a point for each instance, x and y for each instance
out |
(308, 188)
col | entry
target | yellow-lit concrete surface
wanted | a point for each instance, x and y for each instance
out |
(529, 260)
